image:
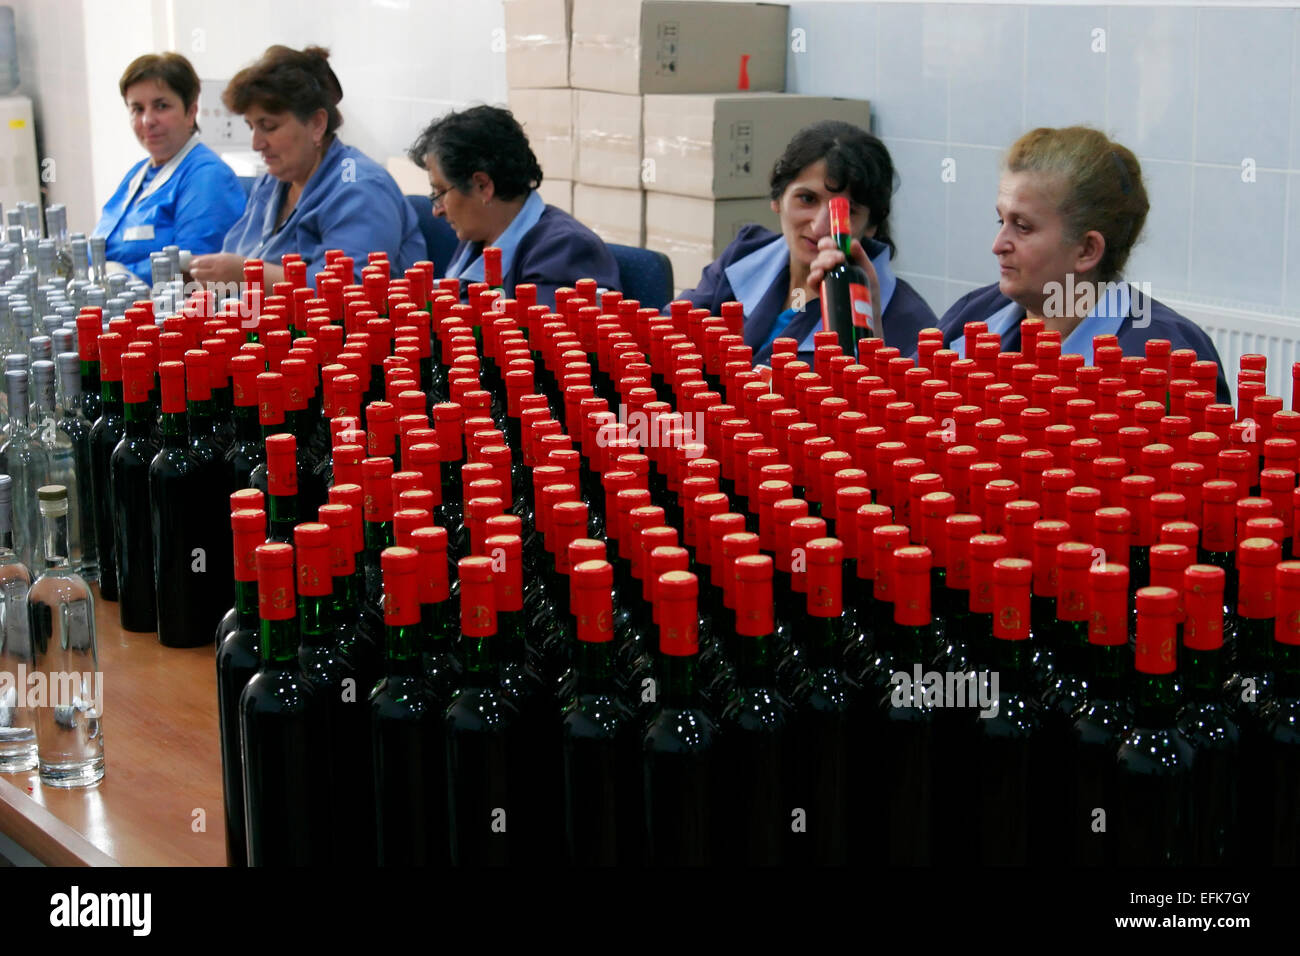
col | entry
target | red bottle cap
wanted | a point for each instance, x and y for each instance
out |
(282, 465)
(431, 543)
(868, 518)
(885, 540)
(960, 529)
(591, 585)
(754, 595)
(313, 543)
(1114, 531)
(1108, 598)
(825, 598)
(1203, 600)
(1257, 559)
(1048, 534)
(249, 529)
(276, 600)
(985, 551)
(1073, 559)
(171, 379)
(137, 377)
(506, 552)
(1286, 629)
(1157, 610)
(678, 621)
(478, 613)
(376, 475)
(340, 518)
(1011, 577)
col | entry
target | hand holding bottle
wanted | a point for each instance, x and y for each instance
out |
(829, 256)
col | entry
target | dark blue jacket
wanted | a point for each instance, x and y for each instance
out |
(556, 252)
(905, 311)
(1165, 323)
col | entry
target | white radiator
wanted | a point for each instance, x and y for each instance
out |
(1238, 332)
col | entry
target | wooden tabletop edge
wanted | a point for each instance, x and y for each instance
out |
(44, 835)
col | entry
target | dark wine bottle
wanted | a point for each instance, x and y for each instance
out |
(1153, 814)
(602, 781)
(485, 757)
(191, 602)
(410, 764)
(354, 635)
(129, 479)
(1281, 717)
(248, 448)
(283, 735)
(758, 755)
(1205, 721)
(845, 291)
(237, 662)
(679, 770)
(105, 434)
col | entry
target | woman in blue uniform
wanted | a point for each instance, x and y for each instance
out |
(318, 193)
(1071, 205)
(484, 177)
(183, 194)
(770, 273)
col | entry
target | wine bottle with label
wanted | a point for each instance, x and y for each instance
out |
(845, 291)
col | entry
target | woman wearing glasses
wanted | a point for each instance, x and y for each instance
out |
(317, 193)
(485, 177)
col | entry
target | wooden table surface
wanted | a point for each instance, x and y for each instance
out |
(160, 801)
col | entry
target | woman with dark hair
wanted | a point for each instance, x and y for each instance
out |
(317, 194)
(770, 273)
(1071, 204)
(183, 194)
(484, 177)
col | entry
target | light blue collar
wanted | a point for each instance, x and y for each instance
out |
(753, 275)
(507, 242)
(1104, 319)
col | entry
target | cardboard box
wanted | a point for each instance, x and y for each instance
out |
(616, 215)
(609, 139)
(723, 146)
(547, 119)
(537, 43)
(670, 46)
(557, 193)
(692, 232)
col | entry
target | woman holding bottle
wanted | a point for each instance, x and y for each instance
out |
(770, 273)
(484, 177)
(1071, 205)
(182, 194)
(317, 193)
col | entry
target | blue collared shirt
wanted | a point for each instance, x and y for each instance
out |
(1104, 319)
(349, 203)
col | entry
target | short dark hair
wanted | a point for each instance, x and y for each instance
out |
(855, 160)
(170, 69)
(481, 139)
(284, 80)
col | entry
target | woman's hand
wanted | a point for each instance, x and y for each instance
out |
(829, 256)
(217, 267)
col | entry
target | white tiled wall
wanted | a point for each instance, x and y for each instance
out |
(1195, 91)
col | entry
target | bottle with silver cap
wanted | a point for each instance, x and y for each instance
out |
(17, 720)
(76, 426)
(23, 458)
(56, 227)
(31, 220)
(61, 612)
(40, 348)
(58, 446)
(98, 260)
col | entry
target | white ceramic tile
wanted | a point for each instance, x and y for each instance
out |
(1236, 238)
(838, 50)
(1151, 59)
(1160, 256)
(1243, 89)
(1065, 75)
(986, 80)
(972, 219)
(912, 99)
(918, 216)
(1295, 91)
(1292, 299)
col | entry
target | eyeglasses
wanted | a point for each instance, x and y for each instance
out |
(437, 198)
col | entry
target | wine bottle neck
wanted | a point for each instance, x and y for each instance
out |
(246, 605)
(402, 645)
(279, 642)
(316, 620)
(678, 680)
(1155, 700)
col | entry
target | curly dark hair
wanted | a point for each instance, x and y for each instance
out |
(482, 139)
(285, 80)
(854, 159)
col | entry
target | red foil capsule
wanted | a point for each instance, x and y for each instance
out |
(1257, 560)
(1011, 579)
(1108, 601)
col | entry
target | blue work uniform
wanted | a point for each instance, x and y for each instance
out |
(1125, 313)
(349, 203)
(542, 245)
(189, 201)
(755, 271)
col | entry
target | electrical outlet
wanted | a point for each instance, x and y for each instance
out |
(219, 128)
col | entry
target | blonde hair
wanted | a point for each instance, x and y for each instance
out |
(1101, 185)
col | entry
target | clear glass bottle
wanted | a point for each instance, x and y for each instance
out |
(56, 225)
(17, 720)
(61, 614)
(24, 459)
(59, 447)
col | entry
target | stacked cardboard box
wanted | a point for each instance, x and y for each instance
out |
(537, 72)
